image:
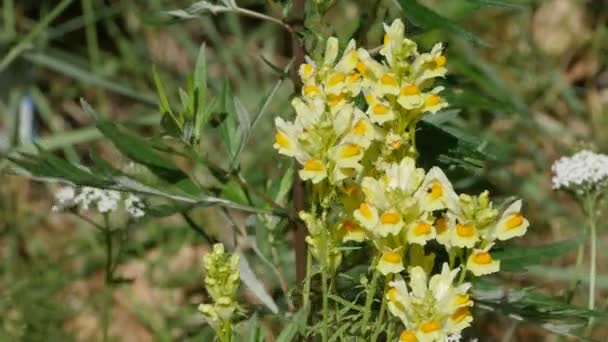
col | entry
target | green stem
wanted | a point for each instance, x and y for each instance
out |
(390, 330)
(107, 233)
(590, 208)
(378, 326)
(369, 299)
(325, 329)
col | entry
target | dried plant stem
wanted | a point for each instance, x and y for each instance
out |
(298, 187)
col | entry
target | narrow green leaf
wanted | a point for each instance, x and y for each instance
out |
(163, 104)
(515, 259)
(200, 83)
(498, 3)
(427, 19)
(140, 151)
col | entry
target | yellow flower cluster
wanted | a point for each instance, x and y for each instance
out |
(222, 282)
(332, 133)
(431, 309)
(354, 137)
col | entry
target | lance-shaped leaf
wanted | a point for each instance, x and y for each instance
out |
(427, 19)
(526, 304)
(515, 259)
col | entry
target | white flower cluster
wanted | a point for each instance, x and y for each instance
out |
(582, 171)
(104, 201)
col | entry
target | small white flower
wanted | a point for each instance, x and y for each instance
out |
(134, 206)
(65, 198)
(582, 171)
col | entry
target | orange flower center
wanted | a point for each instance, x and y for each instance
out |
(362, 68)
(335, 79)
(380, 109)
(359, 128)
(441, 224)
(465, 230)
(422, 229)
(313, 165)
(389, 80)
(462, 299)
(350, 150)
(430, 326)
(390, 218)
(461, 314)
(410, 90)
(432, 100)
(440, 61)
(365, 210)
(392, 257)
(436, 190)
(311, 89)
(407, 336)
(515, 221)
(482, 258)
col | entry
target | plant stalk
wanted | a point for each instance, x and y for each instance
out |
(369, 299)
(591, 214)
(298, 187)
(325, 328)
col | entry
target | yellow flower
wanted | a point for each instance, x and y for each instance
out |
(346, 157)
(370, 69)
(410, 97)
(464, 235)
(390, 262)
(431, 309)
(430, 65)
(286, 141)
(444, 226)
(306, 114)
(390, 224)
(307, 71)
(436, 192)
(352, 231)
(433, 102)
(387, 85)
(367, 215)
(375, 192)
(420, 232)
(395, 45)
(480, 262)
(361, 130)
(404, 176)
(393, 38)
(313, 170)
(343, 120)
(512, 223)
(379, 110)
(392, 141)
(408, 336)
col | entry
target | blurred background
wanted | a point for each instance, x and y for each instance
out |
(528, 83)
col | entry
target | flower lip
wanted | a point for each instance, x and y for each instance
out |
(483, 258)
(465, 230)
(515, 221)
(430, 326)
(392, 257)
